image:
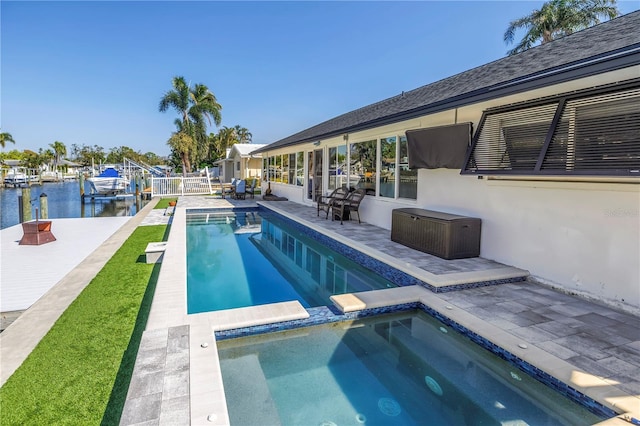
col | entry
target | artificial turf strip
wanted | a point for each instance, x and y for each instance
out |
(80, 371)
(163, 203)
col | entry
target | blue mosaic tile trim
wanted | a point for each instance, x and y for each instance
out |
(330, 314)
(229, 209)
(394, 275)
(386, 271)
(536, 373)
(317, 316)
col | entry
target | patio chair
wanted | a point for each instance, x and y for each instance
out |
(325, 202)
(252, 187)
(348, 205)
(230, 190)
(240, 190)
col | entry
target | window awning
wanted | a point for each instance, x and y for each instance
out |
(438, 147)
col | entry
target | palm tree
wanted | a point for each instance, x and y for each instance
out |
(46, 156)
(196, 106)
(558, 18)
(59, 151)
(183, 144)
(243, 134)
(4, 138)
(226, 137)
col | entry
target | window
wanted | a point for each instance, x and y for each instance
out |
(363, 161)
(238, 166)
(388, 167)
(408, 185)
(265, 168)
(272, 169)
(278, 169)
(588, 133)
(337, 167)
(597, 134)
(292, 169)
(310, 176)
(300, 168)
(285, 168)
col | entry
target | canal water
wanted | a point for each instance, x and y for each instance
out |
(63, 199)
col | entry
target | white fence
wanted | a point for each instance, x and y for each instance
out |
(178, 185)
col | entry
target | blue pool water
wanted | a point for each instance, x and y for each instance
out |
(252, 257)
(399, 369)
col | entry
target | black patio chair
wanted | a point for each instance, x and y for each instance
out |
(252, 188)
(346, 206)
(325, 202)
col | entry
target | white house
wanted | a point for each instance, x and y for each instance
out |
(240, 162)
(543, 147)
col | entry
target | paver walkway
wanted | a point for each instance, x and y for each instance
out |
(582, 336)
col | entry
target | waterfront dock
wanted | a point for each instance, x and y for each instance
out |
(53, 275)
(29, 271)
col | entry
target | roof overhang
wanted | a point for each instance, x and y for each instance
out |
(610, 61)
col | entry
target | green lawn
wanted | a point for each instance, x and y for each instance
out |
(79, 373)
(163, 203)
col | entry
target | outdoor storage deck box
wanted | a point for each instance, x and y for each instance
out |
(445, 235)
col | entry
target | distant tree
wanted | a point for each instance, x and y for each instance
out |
(224, 139)
(117, 155)
(33, 160)
(88, 155)
(227, 137)
(46, 156)
(75, 151)
(558, 18)
(183, 144)
(14, 154)
(152, 159)
(4, 138)
(196, 106)
(243, 134)
(59, 151)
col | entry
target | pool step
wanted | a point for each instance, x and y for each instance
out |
(230, 319)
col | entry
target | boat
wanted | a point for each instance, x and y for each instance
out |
(15, 178)
(109, 182)
(350, 181)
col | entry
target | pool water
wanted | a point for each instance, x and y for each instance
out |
(253, 257)
(396, 369)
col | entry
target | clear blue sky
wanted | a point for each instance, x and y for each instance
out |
(93, 72)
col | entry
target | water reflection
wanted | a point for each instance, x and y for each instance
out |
(63, 199)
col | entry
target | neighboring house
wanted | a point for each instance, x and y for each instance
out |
(240, 162)
(11, 163)
(225, 167)
(543, 146)
(69, 167)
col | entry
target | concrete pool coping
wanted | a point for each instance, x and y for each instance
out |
(206, 390)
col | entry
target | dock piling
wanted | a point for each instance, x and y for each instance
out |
(81, 178)
(44, 206)
(26, 205)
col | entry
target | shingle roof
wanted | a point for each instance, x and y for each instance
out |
(498, 78)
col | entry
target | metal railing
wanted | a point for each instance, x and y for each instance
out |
(130, 166)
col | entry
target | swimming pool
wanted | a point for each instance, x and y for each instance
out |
(404, 368)
(252, 257)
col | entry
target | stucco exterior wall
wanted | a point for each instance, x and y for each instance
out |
(581, 236)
